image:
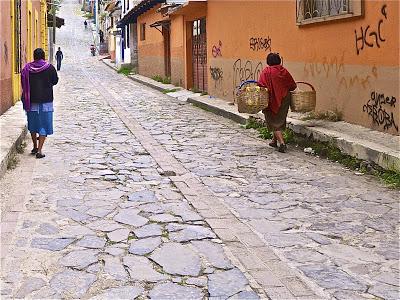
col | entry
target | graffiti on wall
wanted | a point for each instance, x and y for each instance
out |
(245, 70)
(329, 66)
(216, 50)
(334, 66)
(259, 43)
(376, 108)
(216, 75)
(371, 37)
(5, 52)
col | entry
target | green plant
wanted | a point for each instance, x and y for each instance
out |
(329, 115)
(204, 93)
(165, 80)
(195, 90)
(265, 133)
(88, 15)
(170, 91)
(21, 148)
(157, 78)
(126, 70)
(13, 162)
(390, 178)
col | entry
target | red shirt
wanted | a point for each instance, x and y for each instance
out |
(279, 82)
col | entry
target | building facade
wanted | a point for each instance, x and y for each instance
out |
(347, 49)
(23, 28)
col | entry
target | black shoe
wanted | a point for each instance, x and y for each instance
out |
(34, 151)
(40, 155)
(282, 148)
(274, 144)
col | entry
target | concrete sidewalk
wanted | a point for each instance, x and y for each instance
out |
(357, 141)
(12, 133)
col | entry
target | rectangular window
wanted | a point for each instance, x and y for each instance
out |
(312, 11)
(142, 31)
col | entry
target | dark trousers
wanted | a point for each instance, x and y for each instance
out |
(58, 64)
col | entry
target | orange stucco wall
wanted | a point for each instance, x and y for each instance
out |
(5, 57)
(151, 50)
(323, 54)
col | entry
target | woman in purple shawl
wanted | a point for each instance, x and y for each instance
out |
(37, 79)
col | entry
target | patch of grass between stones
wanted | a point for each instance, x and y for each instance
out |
(21, 148)
(170, 91)
(12, 162)
(126, 70)
(329, 151)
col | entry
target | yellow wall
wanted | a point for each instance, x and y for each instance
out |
(323, 54)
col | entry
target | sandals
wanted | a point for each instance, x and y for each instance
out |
(282, 148)
(40, 155)
(273, 144)
(34, 151)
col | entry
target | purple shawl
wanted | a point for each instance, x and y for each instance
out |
(36, 66)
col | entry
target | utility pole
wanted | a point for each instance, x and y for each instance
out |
(53, 35)
(97, 23)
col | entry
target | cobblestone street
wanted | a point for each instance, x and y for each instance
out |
(142, 195)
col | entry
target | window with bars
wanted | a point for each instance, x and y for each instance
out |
(310, 11)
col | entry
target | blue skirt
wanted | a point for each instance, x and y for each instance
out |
(40, 122)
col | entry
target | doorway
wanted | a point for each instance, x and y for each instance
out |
(166, 32)
(199, 55)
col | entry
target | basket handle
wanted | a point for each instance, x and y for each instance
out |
(306, 83)
(246, 82)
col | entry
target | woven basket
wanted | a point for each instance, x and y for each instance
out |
(303, 101)
(251, 98)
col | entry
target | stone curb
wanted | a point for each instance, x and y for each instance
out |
(387, 159)
(12, 132)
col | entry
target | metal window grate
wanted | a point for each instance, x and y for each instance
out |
(311, 9)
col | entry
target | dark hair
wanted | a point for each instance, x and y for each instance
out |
(39, 54)
(273, 59)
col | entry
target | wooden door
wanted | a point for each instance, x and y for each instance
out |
(199, 55)
(167, 49)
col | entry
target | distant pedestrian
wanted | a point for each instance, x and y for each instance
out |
(85, 23)
(59, 58)
(279, 82)
(37, 79)
(101, 34)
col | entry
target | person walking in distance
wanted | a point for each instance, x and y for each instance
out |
(59, 58)
(85, 23)
(37, 79)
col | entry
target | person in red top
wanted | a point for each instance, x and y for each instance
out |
(279, 83)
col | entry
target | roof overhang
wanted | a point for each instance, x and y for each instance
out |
(135, 12)
(162, 24)
(59, 21)
(186, 7)
(110, 6)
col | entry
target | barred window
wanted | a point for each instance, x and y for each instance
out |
(311, 11)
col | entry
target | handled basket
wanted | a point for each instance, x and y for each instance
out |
(303, 101)
(251, 98)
